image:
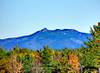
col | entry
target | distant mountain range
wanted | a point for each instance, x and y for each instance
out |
(56, 39)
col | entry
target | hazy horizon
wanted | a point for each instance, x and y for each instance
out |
(24, 17)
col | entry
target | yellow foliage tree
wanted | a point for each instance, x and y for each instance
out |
(73, 61)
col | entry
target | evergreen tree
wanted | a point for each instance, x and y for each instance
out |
(46, 59)
(91, 54)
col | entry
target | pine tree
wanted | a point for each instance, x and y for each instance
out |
(46, 59)
(91, 54)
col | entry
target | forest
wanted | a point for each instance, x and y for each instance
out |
(47, 60)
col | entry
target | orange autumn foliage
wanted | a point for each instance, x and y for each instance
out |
(36, 57)
(15, 66)
(73, 61)
(97, 41)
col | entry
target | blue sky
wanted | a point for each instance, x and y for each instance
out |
(23, 17)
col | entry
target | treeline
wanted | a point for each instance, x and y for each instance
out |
(47, 60)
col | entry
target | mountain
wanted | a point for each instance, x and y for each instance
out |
(56, 39)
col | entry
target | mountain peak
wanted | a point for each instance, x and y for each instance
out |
(44, 29)
(57, 39)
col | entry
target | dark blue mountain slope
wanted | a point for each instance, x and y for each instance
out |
(56, 39)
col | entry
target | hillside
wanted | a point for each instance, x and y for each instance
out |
(57, 39)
